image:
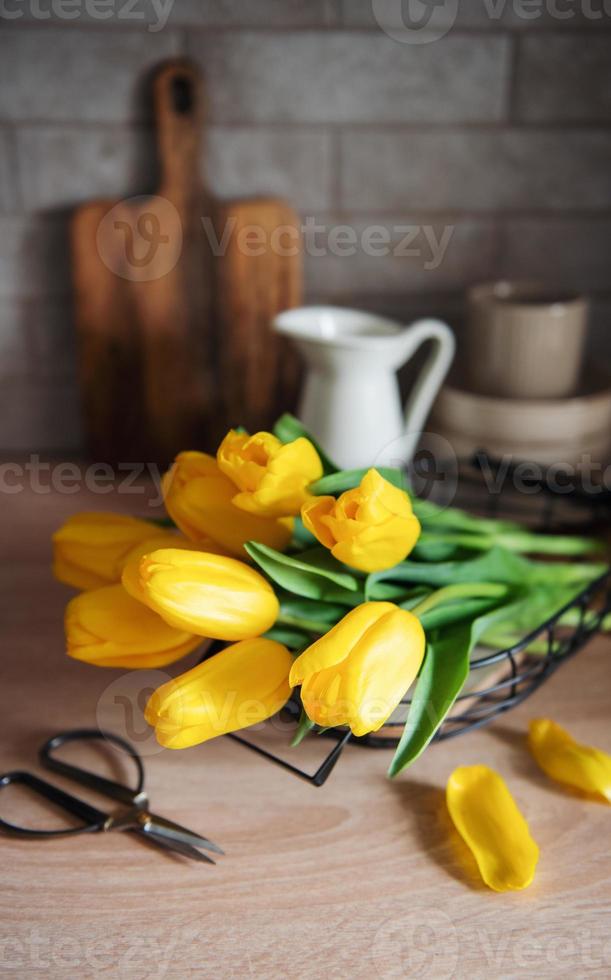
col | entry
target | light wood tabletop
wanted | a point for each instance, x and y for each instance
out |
(361, 878)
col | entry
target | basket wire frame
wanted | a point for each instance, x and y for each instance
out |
(521, 672)
(520, 680)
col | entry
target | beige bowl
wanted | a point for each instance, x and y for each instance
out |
(523, 341)
(559, 430)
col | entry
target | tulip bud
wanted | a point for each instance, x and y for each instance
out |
(370, 528)
(357, 673)
(272, 476)
(90, 549)
(213, 596)
(242, 685)
(199, 499)
(108, 628)
(130, 578)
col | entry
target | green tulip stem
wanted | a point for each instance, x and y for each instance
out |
(304, 727)
(520, 542)
(452, 593)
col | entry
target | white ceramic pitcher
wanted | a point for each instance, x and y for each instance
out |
(351, 401)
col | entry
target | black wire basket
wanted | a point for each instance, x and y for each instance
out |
(502, 679)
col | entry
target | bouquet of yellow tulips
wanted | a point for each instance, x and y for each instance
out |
(332, 586)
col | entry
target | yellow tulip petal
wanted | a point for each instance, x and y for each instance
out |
(373, 549)
(211, 595)
(358, 672)
(337, 644)
(72, 573)
(381, 498)
(130, 579)
(567, 761)
(242, 685)
(489, 821)
(371, 527)
(90, 549)
(273, 477)
(319, 696)
(199, 499)
(108, 628)
(383, 665)
(313, 514)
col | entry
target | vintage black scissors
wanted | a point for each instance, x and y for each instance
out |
(134, 815)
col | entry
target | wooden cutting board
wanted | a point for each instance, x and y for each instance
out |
(174, 335)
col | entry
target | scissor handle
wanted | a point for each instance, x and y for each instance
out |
(108, 787)
(93, 819)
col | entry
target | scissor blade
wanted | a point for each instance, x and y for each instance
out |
(176, 846)
(162, 825)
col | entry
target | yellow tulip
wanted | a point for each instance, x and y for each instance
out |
(370, 528)
(130, 577)
(211, 595)
(487, 818)
(90, 549)
(561, 757)
(242, 685)
(272, 476)
(358, 672)
(108, 628)
(199, 499)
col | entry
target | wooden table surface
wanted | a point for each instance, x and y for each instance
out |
(361, 878)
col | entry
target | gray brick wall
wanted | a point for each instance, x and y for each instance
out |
(483, 153)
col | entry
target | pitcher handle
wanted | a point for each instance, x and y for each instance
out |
(431, 377)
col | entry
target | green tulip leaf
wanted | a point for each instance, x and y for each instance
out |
(298, 606)
(441, 679)
(434, 550)
(387, 592)
(447, 662)
(443, 674)
(321, 558)
(452, 518)
(324, 580)
(454, 612)
(498, 565)
(290, 637)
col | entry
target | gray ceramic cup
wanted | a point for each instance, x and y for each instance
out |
(524, 341)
